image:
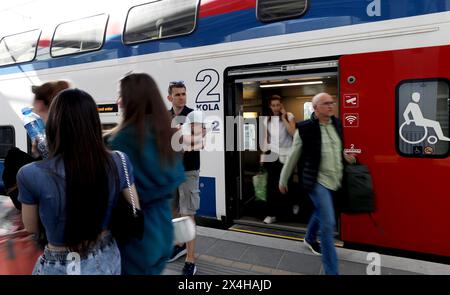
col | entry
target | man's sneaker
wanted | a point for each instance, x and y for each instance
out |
(177, 252)
(189, 269)
(314, 247)
(270, 219)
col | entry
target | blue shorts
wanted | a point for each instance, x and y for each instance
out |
(101, 259)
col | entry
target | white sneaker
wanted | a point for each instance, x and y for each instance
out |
(270, 219)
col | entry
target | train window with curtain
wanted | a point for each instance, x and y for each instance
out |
(423, 114)
(274, 10)
(7, 140)
(160, 19)
(19, 48)
(82, 35)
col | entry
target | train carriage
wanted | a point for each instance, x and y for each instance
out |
(375, 57)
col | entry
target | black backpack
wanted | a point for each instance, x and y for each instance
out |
(14, 160)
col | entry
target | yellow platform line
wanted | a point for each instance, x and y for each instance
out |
(266, 234)
(337, 244)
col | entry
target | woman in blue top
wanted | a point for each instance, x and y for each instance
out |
(74, 191)
(145, 136)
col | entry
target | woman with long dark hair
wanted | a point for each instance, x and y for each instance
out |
(74, 191)
(145, 135)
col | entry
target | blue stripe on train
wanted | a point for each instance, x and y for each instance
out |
(243, 25)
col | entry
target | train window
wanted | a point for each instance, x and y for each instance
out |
(82, 35)
(423, 114)
(274, 10)
(7, 140)
(160, 19)
(19, 47)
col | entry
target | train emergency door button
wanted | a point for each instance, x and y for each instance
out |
(351, 100)
(351, 120)
(428, 150)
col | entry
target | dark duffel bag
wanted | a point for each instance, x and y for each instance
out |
(358, 195)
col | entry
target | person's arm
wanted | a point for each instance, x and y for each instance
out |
(289, 123)
(123, 177)
(126, 193)
(27, 196)
(291, 161)
(30, 218)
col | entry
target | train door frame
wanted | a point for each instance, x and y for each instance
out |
(311, 67)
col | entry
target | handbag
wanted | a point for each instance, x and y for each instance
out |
(358, 194)
(260, 185)
(127, 221)
(183, 230)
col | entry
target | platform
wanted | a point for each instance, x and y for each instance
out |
(225, 252)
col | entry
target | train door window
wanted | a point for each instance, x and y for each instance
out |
(19, 48)
(82, 35)
(423, 114)
(160, 19)
(7, 140)
(307, 110)
(274, 10)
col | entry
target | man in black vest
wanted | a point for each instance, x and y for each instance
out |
(317, 151)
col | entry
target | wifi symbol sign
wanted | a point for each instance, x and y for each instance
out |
(351, 120)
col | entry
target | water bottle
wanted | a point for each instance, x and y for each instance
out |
(36, 130)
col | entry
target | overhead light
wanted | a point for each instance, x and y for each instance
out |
(250, 115)
(290, 84)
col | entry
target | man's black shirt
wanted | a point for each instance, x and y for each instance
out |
(191, 160)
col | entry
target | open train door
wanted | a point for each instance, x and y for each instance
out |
(394, 107)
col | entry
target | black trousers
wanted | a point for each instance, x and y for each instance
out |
(277, 203)
(274, 197)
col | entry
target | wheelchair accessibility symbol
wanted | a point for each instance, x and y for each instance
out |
(413, 108)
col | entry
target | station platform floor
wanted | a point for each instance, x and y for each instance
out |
(225, 252)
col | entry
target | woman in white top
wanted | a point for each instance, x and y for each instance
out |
(278, 140)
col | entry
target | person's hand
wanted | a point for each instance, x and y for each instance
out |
(283, 113)
(350, 158)
(283, 189)
(204, 131)
(34, 151)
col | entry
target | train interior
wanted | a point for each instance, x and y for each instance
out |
(251, 98)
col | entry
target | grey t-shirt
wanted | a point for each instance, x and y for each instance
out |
(43, 183)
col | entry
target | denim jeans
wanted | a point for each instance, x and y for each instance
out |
(102, 259)
(323, 218)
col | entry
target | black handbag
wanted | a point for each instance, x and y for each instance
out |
(358, 195)
(127, 221)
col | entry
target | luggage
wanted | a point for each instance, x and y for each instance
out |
(358, 190)
(18, 253)
(18, 250)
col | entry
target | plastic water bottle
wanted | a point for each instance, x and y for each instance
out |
(36, 130)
